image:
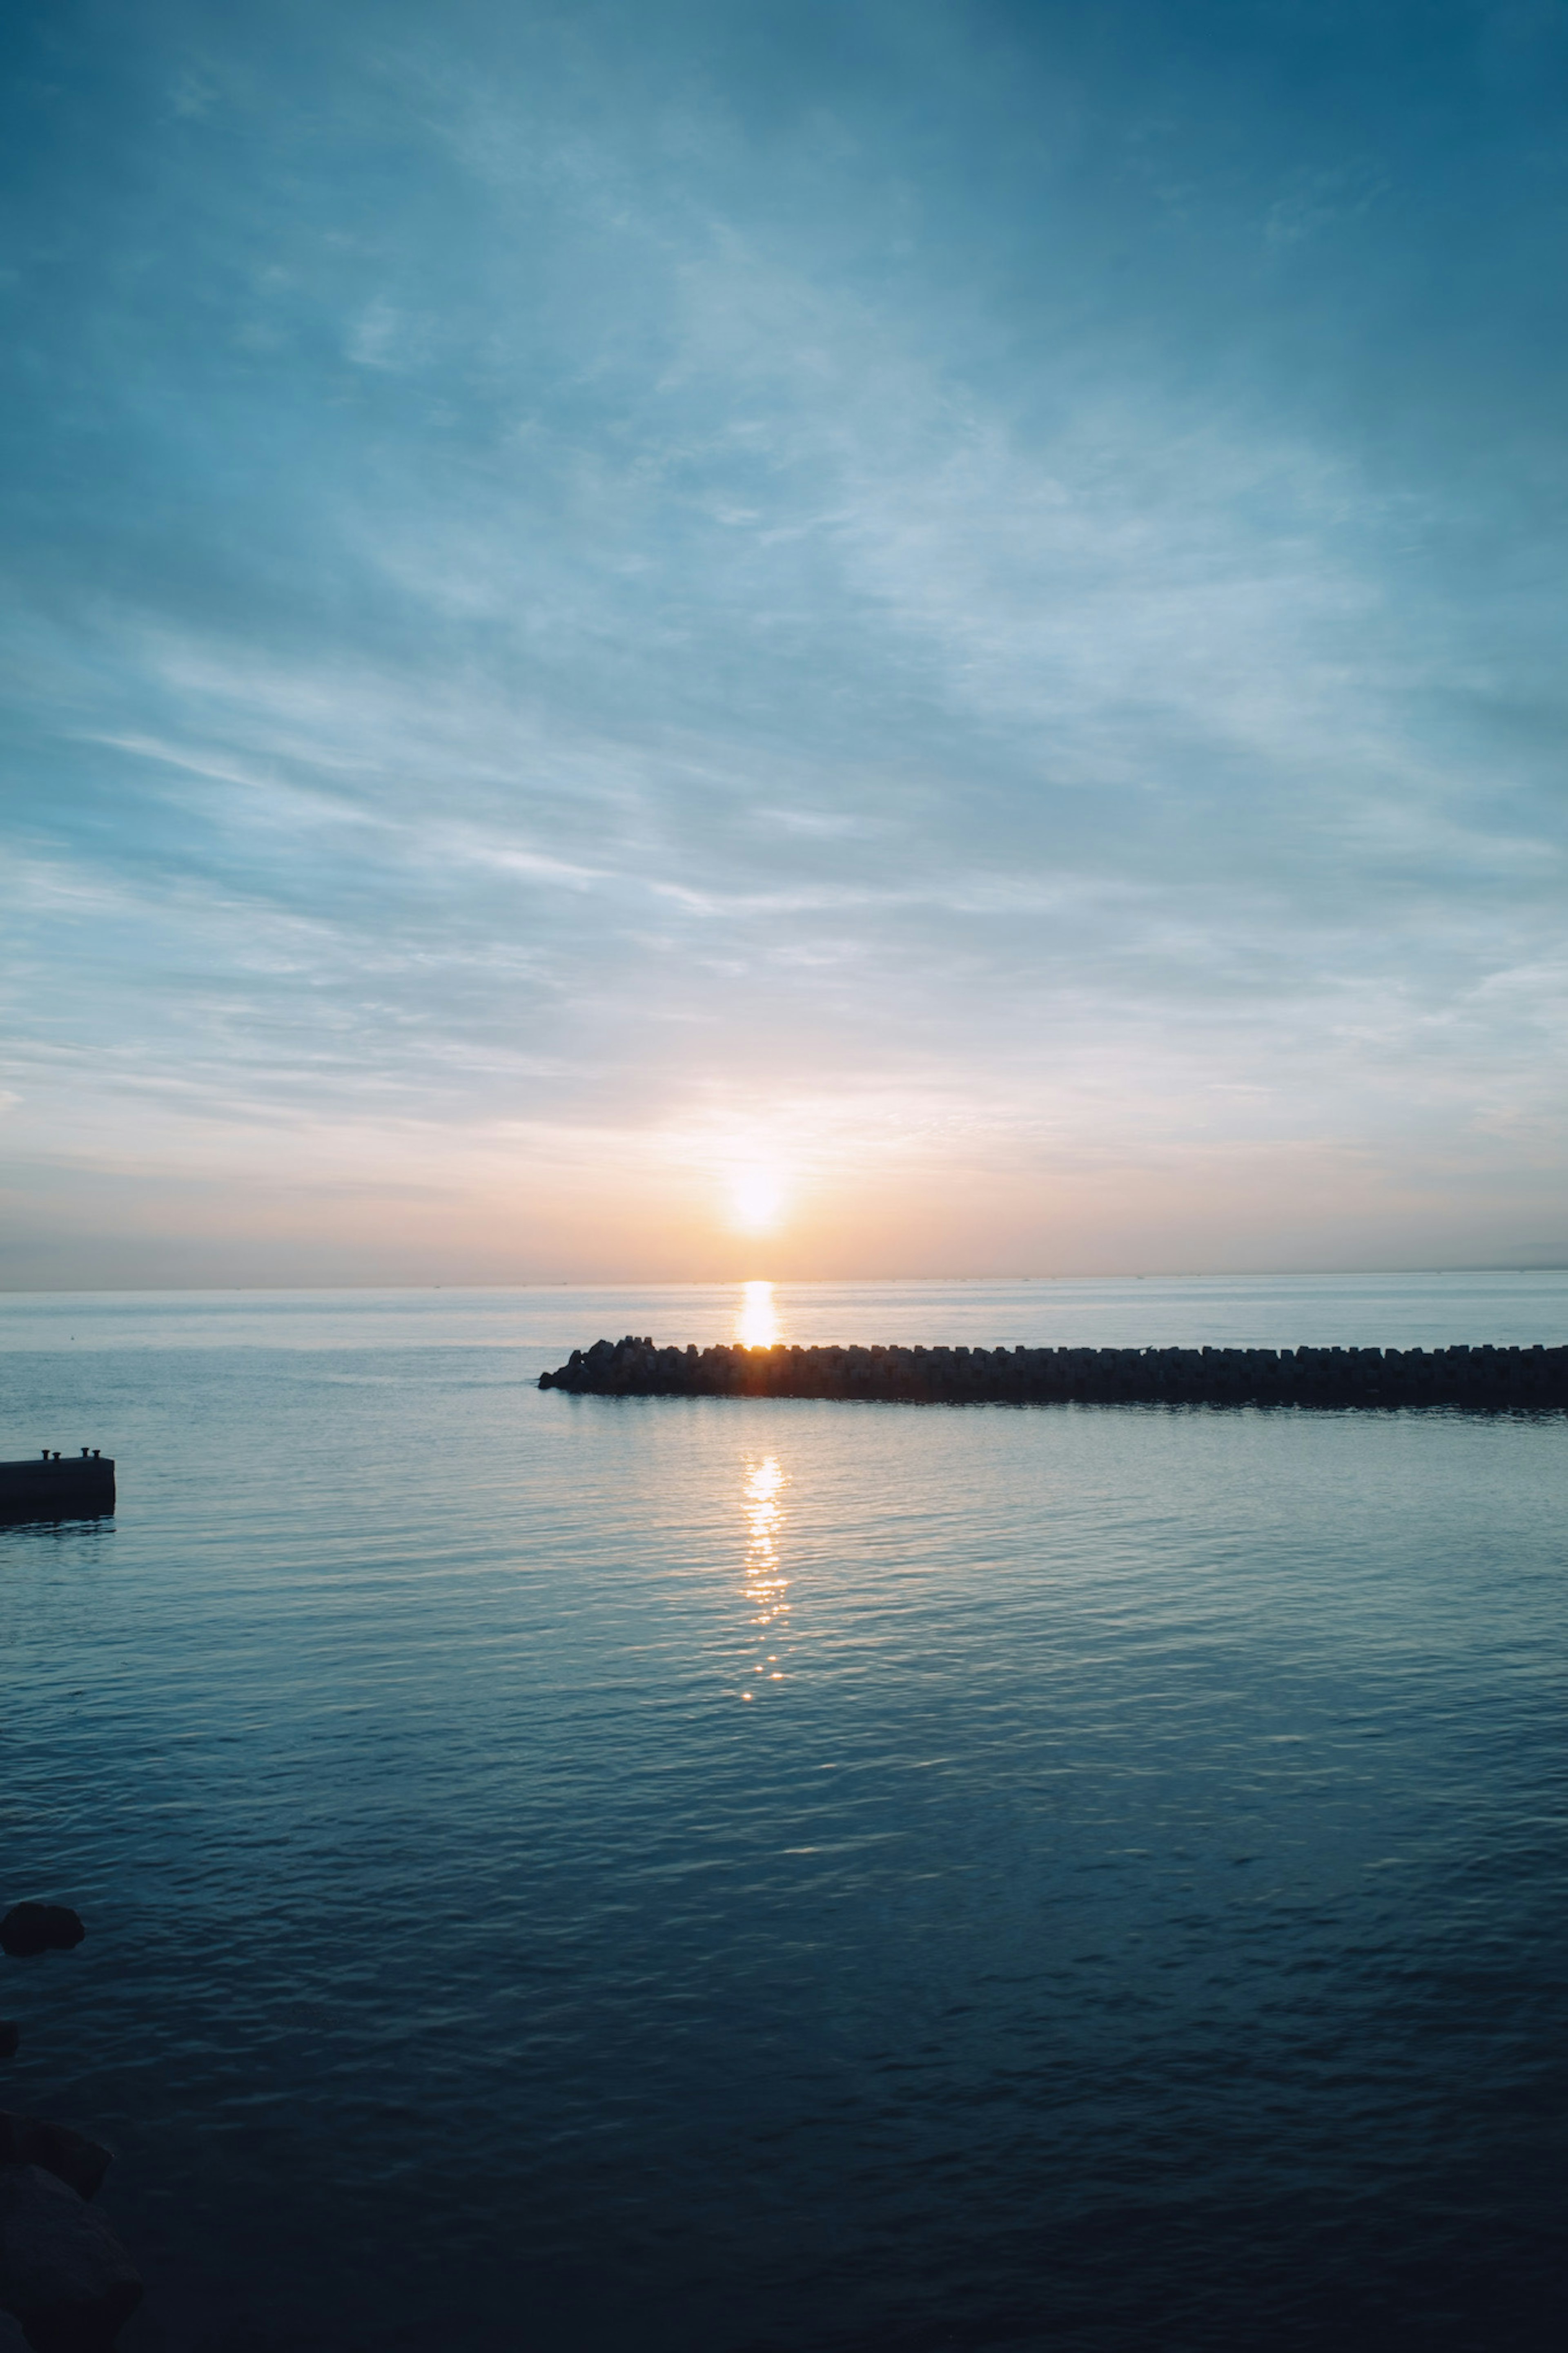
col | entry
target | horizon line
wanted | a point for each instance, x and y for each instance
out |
(807, 1283)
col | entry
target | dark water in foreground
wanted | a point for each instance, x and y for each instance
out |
(567, 1873)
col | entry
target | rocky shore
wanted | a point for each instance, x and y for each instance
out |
(1499, 1378)
(66, 2284)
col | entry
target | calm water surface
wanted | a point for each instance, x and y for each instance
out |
(703, 1874)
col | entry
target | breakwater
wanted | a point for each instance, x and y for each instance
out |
(1483, 1376)
(45, 1486)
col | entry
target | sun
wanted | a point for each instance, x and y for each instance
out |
(756, 1199)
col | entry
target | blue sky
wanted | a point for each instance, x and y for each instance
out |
(782, 640)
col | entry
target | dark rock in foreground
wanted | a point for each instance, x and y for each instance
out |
(29, 1928)
(69, 2155)
(1499, 1378)
(63, 2272)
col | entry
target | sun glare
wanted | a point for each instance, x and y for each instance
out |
(756, 1200)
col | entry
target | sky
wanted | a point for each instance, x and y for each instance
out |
(782, 638)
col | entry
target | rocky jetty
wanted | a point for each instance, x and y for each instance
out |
(1496, 1378)
(66, 2282)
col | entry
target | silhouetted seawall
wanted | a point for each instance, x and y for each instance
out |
(45, 1487)
(1338, 1377)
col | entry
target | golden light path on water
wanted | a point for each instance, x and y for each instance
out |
(766, 1586)
(756, 1319)
(757, 1326)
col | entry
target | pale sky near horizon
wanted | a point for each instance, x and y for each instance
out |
(662, 640)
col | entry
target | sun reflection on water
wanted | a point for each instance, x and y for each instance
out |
(766, 1586)
(756, 1318)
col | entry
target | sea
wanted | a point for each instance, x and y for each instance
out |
(722, 1875)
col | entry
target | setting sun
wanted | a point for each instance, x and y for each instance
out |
(756, 1200)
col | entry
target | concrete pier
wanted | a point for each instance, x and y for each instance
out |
(1495, 1378)
(54, 1486)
